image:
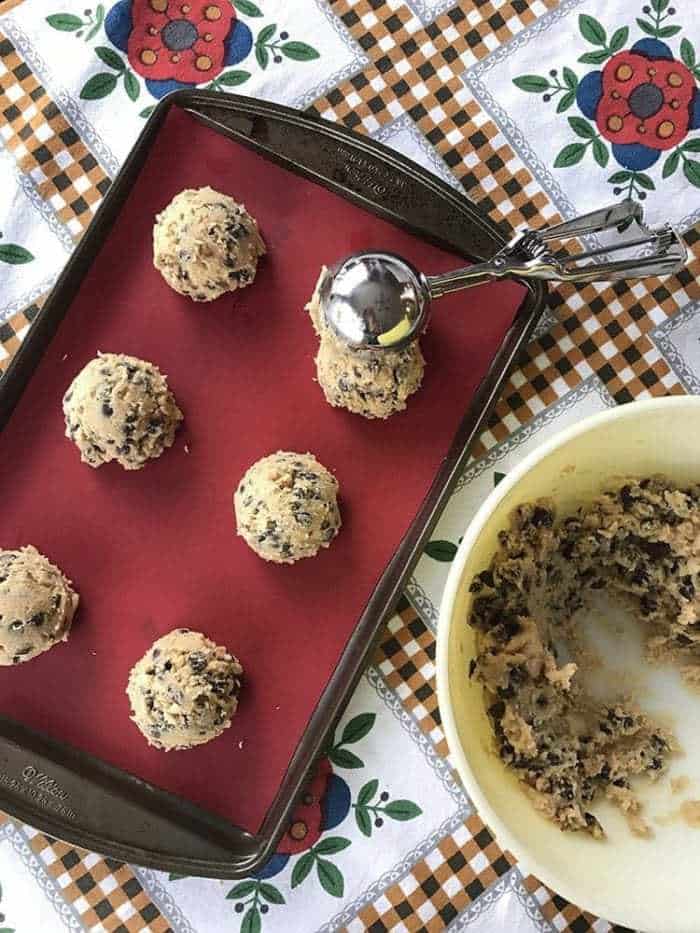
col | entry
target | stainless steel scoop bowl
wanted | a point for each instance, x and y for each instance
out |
(379, 301)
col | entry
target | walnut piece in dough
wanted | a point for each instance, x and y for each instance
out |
(372, 384)
(37, 605)
(641, 540)
(206, 244)
(184, 690)
(120, 408)
(286, 507)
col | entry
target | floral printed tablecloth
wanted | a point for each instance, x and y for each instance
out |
(539, 110)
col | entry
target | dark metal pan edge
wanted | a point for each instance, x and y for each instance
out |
(480, 241)
(226, 851)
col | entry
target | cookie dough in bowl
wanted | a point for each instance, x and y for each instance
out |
(567, 749)
(37, 605)
(638, 882)
(286, 507)
(120, 408)
(184, 690)
(206, 244)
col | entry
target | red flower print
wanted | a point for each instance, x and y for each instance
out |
(180, 39)
(645, 101)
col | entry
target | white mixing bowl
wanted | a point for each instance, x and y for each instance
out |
(646, 884)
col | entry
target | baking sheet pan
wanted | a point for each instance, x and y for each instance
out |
(154, 550)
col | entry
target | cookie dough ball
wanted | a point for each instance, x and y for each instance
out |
(206, 244)
(184, 690)
(375, 384)
(120, 408)
(314, 306)
(37, 605)
(286, 507)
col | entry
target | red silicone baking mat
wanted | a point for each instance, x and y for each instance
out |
(156, 549)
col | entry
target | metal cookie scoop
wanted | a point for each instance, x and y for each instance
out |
(379, 301)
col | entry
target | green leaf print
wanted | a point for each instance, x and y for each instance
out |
(97, 24)
(242, 889)
(131, 85)
(600, 152)
(331, 844)
(570, 78)
(570, 155)
(617, 178)
(270, 893)
(357, 728)
(582, 127)
(64, 22)
(248, 8)
(251, 921)
(232, 78)
(262, 56)
(250, 895)
(533, 84)
(369, 815)
(594, 58)
(302, 868)
(14, 255)
(644, 181)
(344, 758)
(443, 551)
(364, 823)
(354, 730)
(671, 164)
(110, 58)
(299, 51)
(592, 30)
(688, 53)
(367, 792)
(86, 28)
(619, 39)
(566, 101)
(266, 33)
(648, 28)
(402, 810)
(98, 86)
(330, 877)
(691, 170)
